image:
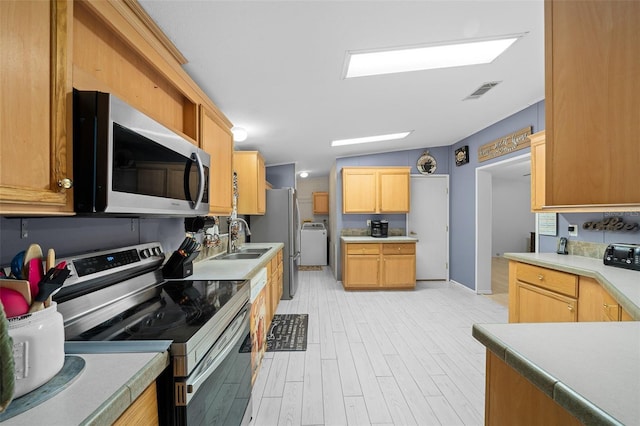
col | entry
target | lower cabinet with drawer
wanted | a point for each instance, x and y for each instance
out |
(376, 266)
(538, 294)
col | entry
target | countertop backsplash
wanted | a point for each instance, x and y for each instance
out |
(586, 249)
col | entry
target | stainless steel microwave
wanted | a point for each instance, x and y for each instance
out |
(126, 163)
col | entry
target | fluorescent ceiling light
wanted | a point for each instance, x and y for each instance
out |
(426, 57)
(366, 139)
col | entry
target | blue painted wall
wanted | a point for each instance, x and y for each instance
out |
(73, 235)
(550, 243)
(462, 189)
(283, 176)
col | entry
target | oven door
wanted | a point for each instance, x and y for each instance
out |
(218, 391)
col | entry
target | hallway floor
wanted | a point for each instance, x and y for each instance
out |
(394, 358)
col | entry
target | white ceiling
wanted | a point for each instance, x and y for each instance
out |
(275, 68)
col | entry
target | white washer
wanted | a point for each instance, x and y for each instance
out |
(313, 244)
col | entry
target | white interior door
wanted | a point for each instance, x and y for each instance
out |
(428, 221)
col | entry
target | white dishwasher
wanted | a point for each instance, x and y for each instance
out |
(313, 244)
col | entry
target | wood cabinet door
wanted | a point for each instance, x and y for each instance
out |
(217, 140)
(320, 203)
(261, 185)
(249, 165)
(399, 271)
(538, 305)
(36, 83)
(359, 190)
(362, 271)
(393, 191)
(595, 303)
(538, 167)
(592, 102)
(144, 410)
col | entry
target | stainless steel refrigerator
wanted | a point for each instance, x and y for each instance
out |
(281, 223)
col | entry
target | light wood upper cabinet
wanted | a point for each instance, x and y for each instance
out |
(249, 165)
(375, 190)
(320, 203)
(34, 106)
(537, 171)
(592, 104)
(216, 139)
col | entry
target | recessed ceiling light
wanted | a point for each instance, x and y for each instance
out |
(304, 174)
(367, 139)
(239, 134)
(416, 58)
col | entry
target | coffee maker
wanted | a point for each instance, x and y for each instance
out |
(379, 228)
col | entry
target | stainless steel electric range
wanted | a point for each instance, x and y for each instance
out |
(120, 295)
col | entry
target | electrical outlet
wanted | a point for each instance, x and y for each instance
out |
(573, 230)
(369, 222)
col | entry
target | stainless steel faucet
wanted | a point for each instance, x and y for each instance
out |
(233, 233)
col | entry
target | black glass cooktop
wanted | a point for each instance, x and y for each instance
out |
(174, 313)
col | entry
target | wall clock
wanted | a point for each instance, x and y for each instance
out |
(426, 164)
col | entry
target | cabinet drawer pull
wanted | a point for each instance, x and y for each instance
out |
(540, 277)
(570, 307)
(607, 306)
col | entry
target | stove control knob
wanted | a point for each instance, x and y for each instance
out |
(145, 253)
(157, 251)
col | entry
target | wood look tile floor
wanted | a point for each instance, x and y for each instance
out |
(378, 358)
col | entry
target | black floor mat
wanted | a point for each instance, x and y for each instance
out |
(288, 332)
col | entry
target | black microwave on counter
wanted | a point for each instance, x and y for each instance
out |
(126, 163)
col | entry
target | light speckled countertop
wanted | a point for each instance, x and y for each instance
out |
(622, 284)
(389, 239)
(104, 389)
(237, 269)
(590, 369)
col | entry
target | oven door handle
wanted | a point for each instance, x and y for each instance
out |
(234, 333)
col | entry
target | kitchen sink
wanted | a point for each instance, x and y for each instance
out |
(238, 256)
(261, 251)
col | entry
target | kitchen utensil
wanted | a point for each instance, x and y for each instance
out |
(21, 286)
(49, 285)
(35, 275)
(16, 265)
(51, 259)
(33, 252)
(14, 303)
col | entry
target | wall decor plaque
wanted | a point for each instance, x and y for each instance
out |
(504, 145)
(462, 155)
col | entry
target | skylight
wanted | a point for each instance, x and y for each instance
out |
(367, 139)
(472, 52)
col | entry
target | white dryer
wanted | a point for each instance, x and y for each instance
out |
(313, 244)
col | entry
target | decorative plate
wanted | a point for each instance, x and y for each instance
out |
(426, 164)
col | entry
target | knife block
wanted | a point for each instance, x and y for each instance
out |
(179, 266)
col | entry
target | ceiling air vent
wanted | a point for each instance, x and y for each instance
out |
(482, 90)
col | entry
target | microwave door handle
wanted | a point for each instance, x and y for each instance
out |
(201, 182)
(195, 158)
